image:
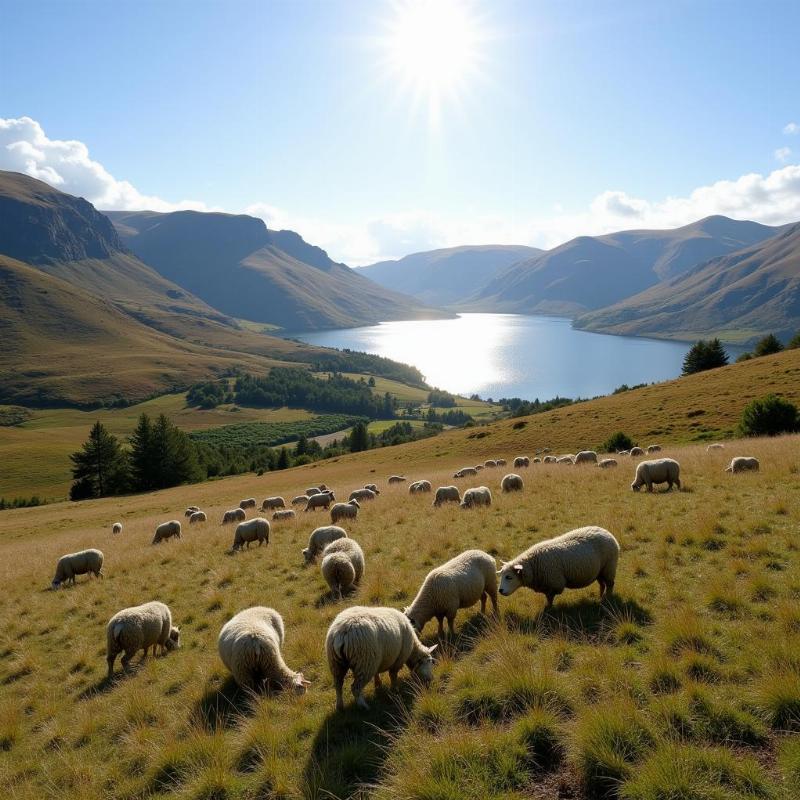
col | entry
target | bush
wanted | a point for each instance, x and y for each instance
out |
(769, 416)
(619, 441)
(768, 346)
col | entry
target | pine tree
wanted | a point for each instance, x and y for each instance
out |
(704, 355)
(100, 467)
(767, 346)
(142, 464)
(284, 462)
(162, 455)
(359, 438)
(301, 448)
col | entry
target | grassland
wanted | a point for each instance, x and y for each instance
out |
(686, 685)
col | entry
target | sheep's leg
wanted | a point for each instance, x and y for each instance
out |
(602, 584)
(393, 677)
(451, 621)
(550, 597)
(483, 603)
(126, 660)
(493, 597)
(440, 620)
(377, 680)
(338, 682)
(358, 691)
(111, 659)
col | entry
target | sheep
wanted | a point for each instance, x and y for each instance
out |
(606, 463)
(198, 516)
(570, 561)
(512, 483)
(715, 446)
(419, 487)
(458, 583)
(370, 641)
(234, 515)
(660, 470)
(249, 503)
(249, 645)
(190, 510)
(322, 487)
(312, 490)
(396, 479)
(478, 467)
(321, 500)
(653, 448)
(446, 494)
(636, 451)
(567, 459)
(342, 565)
(287, 513)
(501, 462)
(478, 496)
(80, 563)
(116, 527)
(253, 530)
(166, 530)
(743, 464)
(300, 500)
(550, 460)
(623, 452)
(585, 457)
(536, 460)
(348, 510)
(140, 628)
(373, 487)
(490, 463)
(320, 538)
(521, 461)
(362, 494)
(272, 502)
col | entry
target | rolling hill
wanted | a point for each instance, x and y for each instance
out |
(235, 264)
(738, 297)
(450, 275)
(590, 272)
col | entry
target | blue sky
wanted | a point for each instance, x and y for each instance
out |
(582, 116)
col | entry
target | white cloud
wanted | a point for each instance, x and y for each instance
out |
(782, 154)
(791, 129)
(772, 199)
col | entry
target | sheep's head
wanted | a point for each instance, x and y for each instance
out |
(174, 640)
(307, 555)
(510, 578)
(635, 486)
(423, 669)
(55, 584)
(299, 683)
(355, 503)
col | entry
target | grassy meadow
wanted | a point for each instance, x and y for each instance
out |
(685, 686)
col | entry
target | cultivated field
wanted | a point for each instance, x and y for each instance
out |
(685, 686)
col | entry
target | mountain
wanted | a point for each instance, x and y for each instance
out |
(443, 277)
(235, 264)
(595, 271)
(738, 297)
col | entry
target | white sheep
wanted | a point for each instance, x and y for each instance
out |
(198, 516)
(465, 472)
(362, 494)
(743, 464)
(419, 487)
(342, 565)
(536, 460)
(312, 490)
(249, 646)
(490, 463)
(569, 458)
(249, 503)
(190, 510)
(585, 457)
(320, 538)
(254, 530)
(549, 460)
(478, 467)
(636, 451)
(623, 452)
(458, 583)
(140, 628)
(477, 496)
(71, 565)
(348, 510)
(607, 463)
(272, 502)
(321, 500)
(446, 494)
(234, 515)
(370, 641)
(396, 479)
(512, 483)
(521, 461)
(659, 470)
(287, 513)
(501, 462)
(570, 561)
(653, 448)
(373, 487)
(300, 500)
(715, 446)
(166, 530)
(116, 527)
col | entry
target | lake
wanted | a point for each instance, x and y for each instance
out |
(511, 355)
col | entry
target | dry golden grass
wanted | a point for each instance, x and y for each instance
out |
(695, 662)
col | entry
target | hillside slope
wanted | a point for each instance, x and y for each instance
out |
(594, 271)
(738, 297)
(450, 275)
(235, 264)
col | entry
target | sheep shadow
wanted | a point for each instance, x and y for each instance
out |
(222, 706)
(103, 686)
(350, 749)
(331, 598)
(468, 634)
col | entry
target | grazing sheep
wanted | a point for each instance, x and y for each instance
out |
(254, 530)
(501, 462)
(478, 496)
(743, 464)
(512, 483)
(342, 565)
(458, 583)
(373, 487)
(190, 510)
(320, 538)
(623, 452)
(397, 479)
(166, 530)
(80, 563)
(570, 561)
(653, 448)
(284, 514)
(272, 502)
(521, 461)
(490, 463)
(636, 451)
(140, 628)
(249, 646)
(300, 500)
(234, 515)
(585, 457)
(362, 494)
(370, 641)
(312, 490)
(606, 463)
(550, 460)
(536, 460)
(198, 516)
(321, 500)
(660, 470)
(348, 510)
(322, 487)
(116, 527)
(715, 446)
(249, 503)
(567, 459)
(478, 467)
(419, 487)
(446, 494)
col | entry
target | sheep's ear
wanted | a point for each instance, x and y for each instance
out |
(518, 568)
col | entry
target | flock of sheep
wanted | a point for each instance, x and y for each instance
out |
(369, 641)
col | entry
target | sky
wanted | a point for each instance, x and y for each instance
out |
(377, 128)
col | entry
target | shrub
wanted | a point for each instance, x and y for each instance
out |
(779, 697)
(619, 441)
(767, 346)
(769, 416)
(789, 762)
(539, 733)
